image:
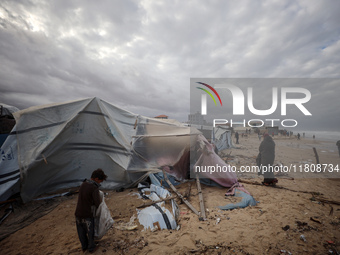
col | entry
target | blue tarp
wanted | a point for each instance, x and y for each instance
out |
(246, 201)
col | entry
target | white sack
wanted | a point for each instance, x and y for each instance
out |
(103, 220)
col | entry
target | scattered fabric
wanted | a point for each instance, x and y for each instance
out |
(247, 200)
(158, 180)
(157, 216)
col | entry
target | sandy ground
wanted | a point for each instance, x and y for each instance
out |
(274, 226)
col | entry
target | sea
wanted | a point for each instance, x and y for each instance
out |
(321, 135)
(328, 140)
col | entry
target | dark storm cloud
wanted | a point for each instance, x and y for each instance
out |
(140, 55)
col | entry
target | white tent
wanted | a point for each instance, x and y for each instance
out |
(9, 168)
(221, 137)
(58, 146)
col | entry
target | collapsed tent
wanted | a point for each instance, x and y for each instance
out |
(221, 137)
(157, 216)
(57, 146)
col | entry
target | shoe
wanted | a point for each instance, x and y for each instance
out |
(272, 182)
(93, 250)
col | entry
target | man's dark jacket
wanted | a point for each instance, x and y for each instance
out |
(267, 152)
(88, 197)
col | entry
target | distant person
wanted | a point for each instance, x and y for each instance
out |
(298, 136)
(313, 136)
(265, 159)
(88, 198)
(259, 135)
(338, 144)
(237, 137)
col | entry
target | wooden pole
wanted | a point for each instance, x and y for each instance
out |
(154, 202)
(180, 195)
(316, 155)
(200, 196)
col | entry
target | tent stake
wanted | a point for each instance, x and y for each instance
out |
(179, 194)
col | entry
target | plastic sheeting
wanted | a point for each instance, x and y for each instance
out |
(157, 215)
(159, 143)
(157, 178)
(60, 145)
(9, 168)
(221, 137)
(103, 220)
(208, 159)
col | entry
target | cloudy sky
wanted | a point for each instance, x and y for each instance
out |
(140, 55)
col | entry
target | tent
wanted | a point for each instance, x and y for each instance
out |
(7, 121)
(57, 146)
(9, 168)
(221, 137)
(10, 173)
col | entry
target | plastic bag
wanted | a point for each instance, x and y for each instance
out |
(103, 220)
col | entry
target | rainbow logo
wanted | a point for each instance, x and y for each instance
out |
(207, 91)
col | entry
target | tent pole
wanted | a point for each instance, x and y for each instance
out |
(179, 194)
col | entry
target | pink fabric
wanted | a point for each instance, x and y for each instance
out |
(226, 178)
(207, 158)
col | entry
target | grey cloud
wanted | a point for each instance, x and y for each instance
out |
(140, 55)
